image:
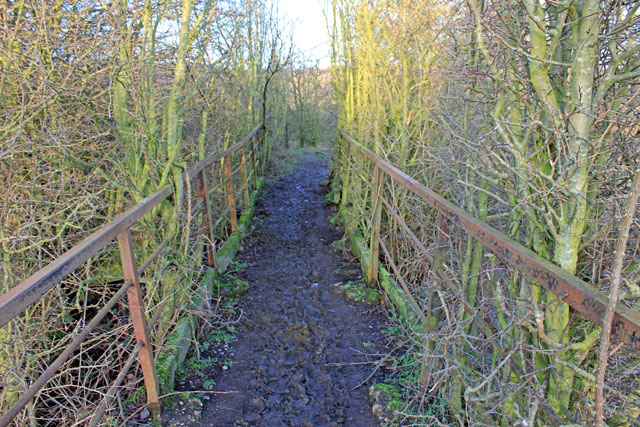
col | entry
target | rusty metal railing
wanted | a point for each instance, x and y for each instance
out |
(14, 302)
(584, 298)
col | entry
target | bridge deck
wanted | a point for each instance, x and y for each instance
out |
(303, 354)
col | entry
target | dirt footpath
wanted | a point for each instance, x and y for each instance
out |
(302, 355)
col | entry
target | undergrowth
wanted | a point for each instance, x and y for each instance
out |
(400, 399)
(210, 355)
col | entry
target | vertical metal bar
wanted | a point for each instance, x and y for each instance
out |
(357, 177)
(254, 163)
(286, 135)
(261, 154)
(206, 218)
(346, 173)
(230, 198)
(136, 309)
(375, 227)
(243, 176)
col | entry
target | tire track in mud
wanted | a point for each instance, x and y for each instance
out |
(303, 355)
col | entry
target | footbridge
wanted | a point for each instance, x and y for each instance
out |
(235, 174)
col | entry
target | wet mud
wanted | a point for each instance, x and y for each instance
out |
(302, 354)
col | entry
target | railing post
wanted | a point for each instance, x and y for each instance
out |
(254, 163)
(232, 203)
(243, 176)
(261, 153)
(346, 172)
(286, 135)
(136, 309)
(375, 226)
(206, 219)
(355, 176)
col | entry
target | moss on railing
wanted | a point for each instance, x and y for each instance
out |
(178, 344)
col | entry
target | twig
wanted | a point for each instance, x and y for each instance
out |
(380, 363)
(605, 337)
(488, 378)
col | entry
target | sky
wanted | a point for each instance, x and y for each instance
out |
(309, 27)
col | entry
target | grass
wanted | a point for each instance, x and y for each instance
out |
(221, 336)
(400, 391)
(236, 266)
(196, 366)
(231, 286)
(359, 290)
(208, 384)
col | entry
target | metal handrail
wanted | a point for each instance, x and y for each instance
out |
(584, 298)
(30, 290)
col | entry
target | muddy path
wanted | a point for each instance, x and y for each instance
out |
(303, 355)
